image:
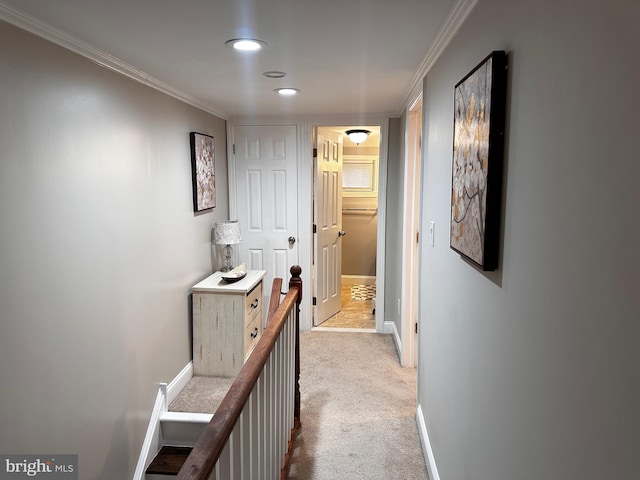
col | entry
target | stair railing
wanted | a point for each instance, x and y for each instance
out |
(251, 432)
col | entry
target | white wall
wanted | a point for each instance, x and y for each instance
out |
(99, 247)
(532, 372)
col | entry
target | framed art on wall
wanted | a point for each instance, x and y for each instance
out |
(203, 171)
(478, 149)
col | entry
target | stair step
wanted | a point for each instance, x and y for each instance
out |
(168, 461)
(180, 428)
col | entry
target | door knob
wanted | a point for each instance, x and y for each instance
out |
(342, 233)
(292, 240)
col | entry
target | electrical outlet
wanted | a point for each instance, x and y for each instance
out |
(398, 308)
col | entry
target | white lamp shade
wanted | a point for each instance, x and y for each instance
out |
(227, 232)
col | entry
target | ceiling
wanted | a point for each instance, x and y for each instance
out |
(348, 57)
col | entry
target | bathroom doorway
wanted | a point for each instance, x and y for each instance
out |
(346, 227)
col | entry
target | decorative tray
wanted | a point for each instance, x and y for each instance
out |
(236, 274)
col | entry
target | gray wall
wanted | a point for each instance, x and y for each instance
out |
(393, 226)
(99, 247)
(532, 372)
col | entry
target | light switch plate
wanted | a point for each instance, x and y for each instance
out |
(432, 227)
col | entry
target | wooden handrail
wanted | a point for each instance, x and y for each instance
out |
(274, 301)
(207, 450)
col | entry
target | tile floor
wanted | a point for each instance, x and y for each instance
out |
(354, 313)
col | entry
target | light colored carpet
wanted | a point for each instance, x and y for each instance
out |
(201, 395)
(358, 411)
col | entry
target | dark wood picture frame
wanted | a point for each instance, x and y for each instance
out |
(478, 150)
(203, 171)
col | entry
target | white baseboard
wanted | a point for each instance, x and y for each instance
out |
(178, 383)
(426, 446)
(153, 438)
(387, 327)
(396, 337)
(358, 280)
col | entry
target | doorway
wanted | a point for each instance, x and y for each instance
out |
(345, 212)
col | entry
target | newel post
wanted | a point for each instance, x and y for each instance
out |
(296, 282)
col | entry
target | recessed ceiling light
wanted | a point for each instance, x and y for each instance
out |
(246, 44)
(274, 74)
(287, 92)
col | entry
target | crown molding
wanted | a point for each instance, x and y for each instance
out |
(451, 26)
(52, 34)
(454, 21)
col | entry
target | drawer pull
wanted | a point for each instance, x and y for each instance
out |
(255, 303)
(255, 333)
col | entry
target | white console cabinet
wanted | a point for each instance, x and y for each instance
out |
(227, 323)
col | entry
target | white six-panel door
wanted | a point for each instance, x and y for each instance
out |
(266, 191)
(328, 216)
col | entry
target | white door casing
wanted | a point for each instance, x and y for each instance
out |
(266, 193)
(410, 248)
(328, 221)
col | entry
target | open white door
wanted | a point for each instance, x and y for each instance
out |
(328, 221)
(267, 200)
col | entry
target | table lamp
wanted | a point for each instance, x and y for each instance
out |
(227, 233)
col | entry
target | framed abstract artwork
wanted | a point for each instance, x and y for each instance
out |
(203, 171)
(478, 149)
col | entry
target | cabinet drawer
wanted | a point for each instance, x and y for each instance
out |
(252, 334)
(253, 302)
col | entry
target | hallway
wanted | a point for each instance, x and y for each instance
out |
(358, 410)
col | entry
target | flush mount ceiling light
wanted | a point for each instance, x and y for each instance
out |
(274, 74)
(246, 44)
(358, 136)
(287, 91)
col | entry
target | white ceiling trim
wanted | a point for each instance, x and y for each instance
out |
(48, 32)
(33, 25)
(452, 24)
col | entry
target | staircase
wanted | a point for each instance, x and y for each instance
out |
(168, 462)
(179, 432)
(257, 411)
